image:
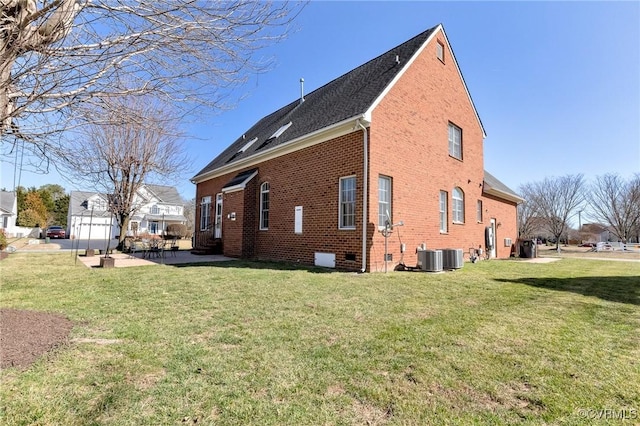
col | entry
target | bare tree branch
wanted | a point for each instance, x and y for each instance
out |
(554, 201)
(127, 142)
(58, 54)
(616, 203)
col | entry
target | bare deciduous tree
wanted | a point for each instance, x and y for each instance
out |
(616, 203)
(56, 54)
(526, 219)
(554, 201)
(190, 214)
(127, 142)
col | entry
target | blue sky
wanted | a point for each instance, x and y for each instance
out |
(556, 84)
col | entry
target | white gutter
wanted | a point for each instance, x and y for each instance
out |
(365, 195)
(321, 135)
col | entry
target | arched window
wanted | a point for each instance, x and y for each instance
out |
(264, 206)
(458, 205)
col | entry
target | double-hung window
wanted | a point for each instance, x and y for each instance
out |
(384, 200)
(347, 203)
(443, 211)
(205, 213)
(458, 205)
(264, 206)
(455, 141)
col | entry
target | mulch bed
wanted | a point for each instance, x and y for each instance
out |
(26, 335)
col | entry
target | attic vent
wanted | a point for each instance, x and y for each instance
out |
(248, 144)
(243, 149)
(281, 130)
(273, 137)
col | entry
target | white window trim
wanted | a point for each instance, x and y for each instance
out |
(479, 211)
(440, 50)
(205, 201)
(340, 221)
(388, 203)
(262, 192)
(455, 203)
(443, 199)
(452, 142)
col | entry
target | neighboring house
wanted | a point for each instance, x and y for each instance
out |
(397, 139)
(595, 233)
(156, 207)
(8, 212)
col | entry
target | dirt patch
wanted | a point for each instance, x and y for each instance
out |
(27, 335)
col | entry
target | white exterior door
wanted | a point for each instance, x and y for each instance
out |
(217, 233)
(492, 252)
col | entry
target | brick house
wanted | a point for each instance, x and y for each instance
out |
(397, 139)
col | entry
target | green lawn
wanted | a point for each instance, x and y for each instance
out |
(497, 342)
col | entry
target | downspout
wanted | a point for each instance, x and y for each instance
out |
(365, 195)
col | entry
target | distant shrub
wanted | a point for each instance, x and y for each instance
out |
(176, 230)
(3, 240)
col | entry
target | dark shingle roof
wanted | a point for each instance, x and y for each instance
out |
(345, 97)
(77, 205)
(166, 194)
(494, 186)
(7, 201)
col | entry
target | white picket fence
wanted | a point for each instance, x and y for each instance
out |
(632, 247)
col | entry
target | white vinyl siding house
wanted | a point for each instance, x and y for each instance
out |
(156, 207)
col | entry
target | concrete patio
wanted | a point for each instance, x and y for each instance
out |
(123, 260)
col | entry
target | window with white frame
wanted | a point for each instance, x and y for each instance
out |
(347, 203)
(440, 50)
(153, 227)
(458, 205)
(155, 209)
(205, 213)
(384, 200)
(455, 141)
(443, 211)
(479, 211)
(264, 206)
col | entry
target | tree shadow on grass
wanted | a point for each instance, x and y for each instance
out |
(613, 289)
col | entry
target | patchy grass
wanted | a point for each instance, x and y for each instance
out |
(499, 342)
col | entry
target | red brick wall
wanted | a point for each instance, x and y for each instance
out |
(409, 143)
(307, 178)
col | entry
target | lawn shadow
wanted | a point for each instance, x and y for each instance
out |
(246, 264)
(613, 289)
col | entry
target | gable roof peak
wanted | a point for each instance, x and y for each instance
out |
(351, 96)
